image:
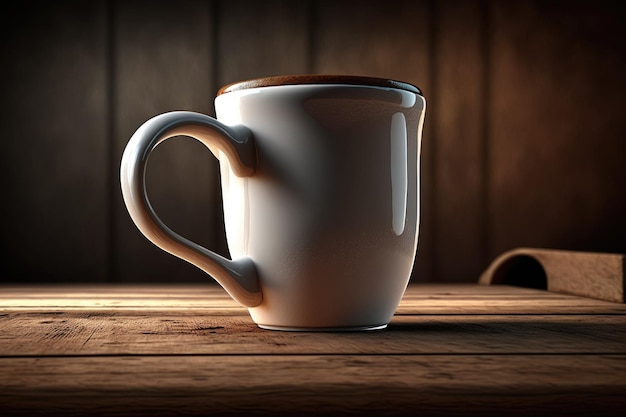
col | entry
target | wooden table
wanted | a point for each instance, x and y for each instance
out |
(190, 350)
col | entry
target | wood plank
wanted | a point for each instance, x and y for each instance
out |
(557, 126)
(389, 42)
(224, 333)
(309, 385)
(10, 295)
(457, 122)
(54, 154)
(418, 299)
(122, 319)
(261, 39)
(185, 291)
(162, 63)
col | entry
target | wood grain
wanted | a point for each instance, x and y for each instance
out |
(189, 350)
(431, 319)
(218, 332)
(556, 126)
(524, 114)
(261, 39)
(418, 299)
(53, 161)
(457, 120)
(311, 384)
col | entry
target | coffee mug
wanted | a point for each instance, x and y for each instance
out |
(320, 186)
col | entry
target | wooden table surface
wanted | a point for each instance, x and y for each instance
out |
(189, 350)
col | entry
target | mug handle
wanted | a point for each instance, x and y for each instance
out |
(238, 277)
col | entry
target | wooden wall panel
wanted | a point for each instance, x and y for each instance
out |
(162, 62)
(523, 141)
(53, 159)
(261, 39)
(557, 127)
(363, 38)
(457, 121)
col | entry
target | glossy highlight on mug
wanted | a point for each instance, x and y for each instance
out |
(398, 172)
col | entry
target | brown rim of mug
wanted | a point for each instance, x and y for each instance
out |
(318, 79)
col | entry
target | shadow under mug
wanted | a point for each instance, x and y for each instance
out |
(320, 185)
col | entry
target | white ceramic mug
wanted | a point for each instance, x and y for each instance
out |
(320, 183)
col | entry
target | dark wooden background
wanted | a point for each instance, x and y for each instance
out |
(524, 141)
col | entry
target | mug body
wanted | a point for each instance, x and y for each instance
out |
(330, 217)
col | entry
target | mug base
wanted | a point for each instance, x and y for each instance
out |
(323, 329)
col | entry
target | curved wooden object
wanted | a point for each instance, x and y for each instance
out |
(587, 274)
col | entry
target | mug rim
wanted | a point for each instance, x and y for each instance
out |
(301, 79)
